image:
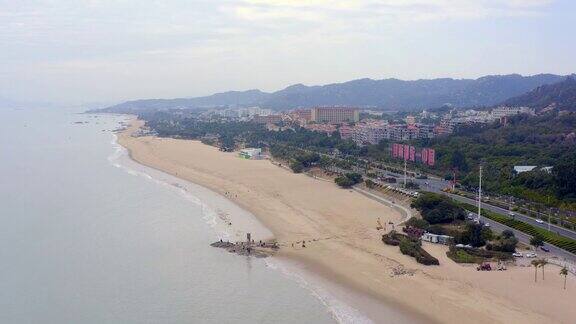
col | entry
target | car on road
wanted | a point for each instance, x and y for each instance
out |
(470, 216)
(531, 255)
(517, 254)
(486, 225)
(539, 221)
(545, 249)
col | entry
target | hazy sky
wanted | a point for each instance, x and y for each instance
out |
(98, 50)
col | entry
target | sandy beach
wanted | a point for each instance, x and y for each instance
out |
(344, 247)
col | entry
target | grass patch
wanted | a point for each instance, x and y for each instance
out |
(461, 256)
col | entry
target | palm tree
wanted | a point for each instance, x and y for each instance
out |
(543, 262)
(564, 272)
(535, 263)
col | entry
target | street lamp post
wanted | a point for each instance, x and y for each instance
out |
(480, 193)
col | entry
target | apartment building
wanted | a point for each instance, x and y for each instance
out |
(335, 115)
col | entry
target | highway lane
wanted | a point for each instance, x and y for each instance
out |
(527, 219)
(525, 238)
(436, 185)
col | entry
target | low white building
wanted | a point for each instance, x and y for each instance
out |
(435, 238)
(250, 153)
(523, 168)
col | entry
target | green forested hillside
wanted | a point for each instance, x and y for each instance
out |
(548, 140)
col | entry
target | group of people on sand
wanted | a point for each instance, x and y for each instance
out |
(303, 244)
(229, 194)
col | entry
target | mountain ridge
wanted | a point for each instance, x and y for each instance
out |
(561, 95)
(386, 94)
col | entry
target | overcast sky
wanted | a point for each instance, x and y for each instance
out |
(99, 50)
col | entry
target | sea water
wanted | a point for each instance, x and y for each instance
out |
(88, 236)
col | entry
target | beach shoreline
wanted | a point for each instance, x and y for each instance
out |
(343, 248)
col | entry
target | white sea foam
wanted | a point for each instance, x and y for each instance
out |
(340, 311)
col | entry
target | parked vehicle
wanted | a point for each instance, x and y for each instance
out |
(531, 255)
(484, 267)
(517, 254)
(545, 249)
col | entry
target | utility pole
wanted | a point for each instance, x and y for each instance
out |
(405, 176)
(480, 193)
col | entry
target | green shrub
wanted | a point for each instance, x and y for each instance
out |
(467, 255)
(393, 238)
(461, 256)
(436, 208)
(437, 229)
(418, 223)
(414, 249)
(369, 183)
(297, 166)
(348, 180)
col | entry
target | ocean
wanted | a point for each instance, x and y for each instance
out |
(89, 236)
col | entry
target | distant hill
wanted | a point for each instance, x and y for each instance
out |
(388, 94)
(561, 95)
(225, 99)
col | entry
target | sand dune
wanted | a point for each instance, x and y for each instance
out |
(346, 248)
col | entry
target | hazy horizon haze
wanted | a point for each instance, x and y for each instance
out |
(111, 51)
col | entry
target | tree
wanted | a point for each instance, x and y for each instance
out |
(436, 208)
(535, 263)
(297, 166)
(564, 174)
(348, 180)
(369, 183)
(543, 262)
(477, 234)
(412, 185)
(536, 241)
(458, 161)
(508, 234)
(343, 182)
(564, 272)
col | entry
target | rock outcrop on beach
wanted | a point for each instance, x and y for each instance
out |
(258, 250)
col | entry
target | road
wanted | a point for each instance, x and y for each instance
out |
(525, 238)
(436, 185)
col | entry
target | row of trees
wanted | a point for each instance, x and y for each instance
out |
(543, 141)
(541, 263)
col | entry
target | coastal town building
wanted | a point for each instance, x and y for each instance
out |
(410, 120)
(302, 114)
(267, 119)
(253, 111)
(335, 115)
(322, 128)
(500, 112)
(346, 132)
